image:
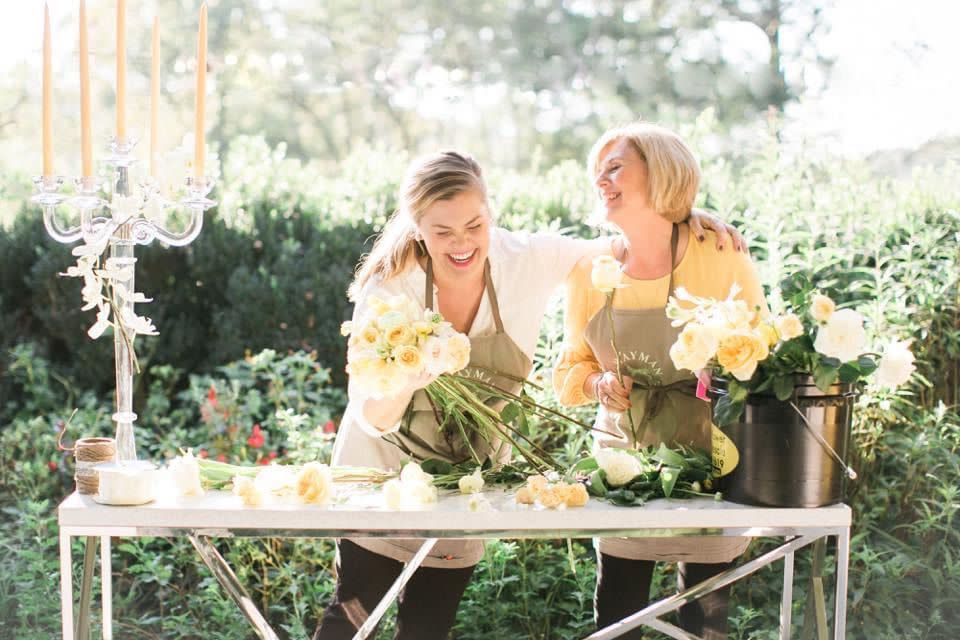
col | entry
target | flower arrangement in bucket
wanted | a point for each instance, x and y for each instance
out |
(782, 388)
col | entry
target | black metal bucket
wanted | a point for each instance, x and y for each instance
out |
(781, 463)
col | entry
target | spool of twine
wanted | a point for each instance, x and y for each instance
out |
(88, 453)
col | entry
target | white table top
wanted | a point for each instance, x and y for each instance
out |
(360, 509)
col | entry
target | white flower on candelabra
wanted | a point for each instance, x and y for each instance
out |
(123, 209)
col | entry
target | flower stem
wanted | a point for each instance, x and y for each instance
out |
(616, 355)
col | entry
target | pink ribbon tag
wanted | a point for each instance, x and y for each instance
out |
(703, 383)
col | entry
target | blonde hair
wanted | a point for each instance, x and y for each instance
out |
(439, 176)
(673, 173)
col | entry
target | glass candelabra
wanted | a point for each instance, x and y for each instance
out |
(140, 221)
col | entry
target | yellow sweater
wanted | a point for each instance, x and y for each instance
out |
(703, 271)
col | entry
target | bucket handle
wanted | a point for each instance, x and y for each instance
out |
(847, 469)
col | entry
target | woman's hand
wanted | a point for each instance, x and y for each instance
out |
(385, 413)
(615, 397)
(700, 220)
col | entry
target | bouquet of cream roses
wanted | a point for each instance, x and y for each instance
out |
(396, 343)
(759, 354)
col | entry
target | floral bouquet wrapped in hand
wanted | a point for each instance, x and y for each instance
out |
(396, 346)
(398, 343)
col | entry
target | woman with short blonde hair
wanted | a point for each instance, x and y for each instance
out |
(646, 179)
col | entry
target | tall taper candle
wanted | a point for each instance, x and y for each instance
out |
(86, 151)
(121, 69)
(155, 96)
(47, 95)
(199, 148)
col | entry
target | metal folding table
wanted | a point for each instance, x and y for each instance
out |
(358, 512)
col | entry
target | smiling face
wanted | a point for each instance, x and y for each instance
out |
(621, 179)
(456, 233)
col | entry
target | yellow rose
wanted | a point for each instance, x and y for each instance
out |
(768, 334)
(315, 483)
(401, 335)
(408, 357)
(822, 307)
(789, 326)
(525, 496)
(575, 495)
(606, 274)
(740, 353)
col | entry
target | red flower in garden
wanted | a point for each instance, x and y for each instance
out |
(256, 438)
(221, 457)
(203, 453)
(272, 455)
(329, 427)
(52, 465)
(212, 396)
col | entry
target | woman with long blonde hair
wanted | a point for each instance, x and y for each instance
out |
(442, 250)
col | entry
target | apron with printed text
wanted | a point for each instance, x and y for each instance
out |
(421, 436)
(664, 408)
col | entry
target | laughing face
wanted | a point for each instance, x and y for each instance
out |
(457, 235)
(621, 179)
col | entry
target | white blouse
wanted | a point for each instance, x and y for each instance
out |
(526, 269)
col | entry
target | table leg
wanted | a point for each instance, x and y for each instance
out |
(231, 584)
(843, 562)
(66, 587)
(395, 589)
(786, 602)
(86, 587)
(671, 603)
(671, 630)
(106, 587)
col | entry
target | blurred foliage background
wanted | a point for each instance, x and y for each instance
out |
(314, 112)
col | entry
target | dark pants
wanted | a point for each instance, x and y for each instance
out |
(427, 606)
(623, 588)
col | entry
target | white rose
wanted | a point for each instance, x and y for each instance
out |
(412, 472)
(694, 348)
(896, 366)
(436, 356)
(619, 466)
(606, 274)
(393, 493)
(185, 472)
(458, 350)
(843, 337)
(391, 319)
(822, 307)
(472, 483)
(420, 493)
(789, 326)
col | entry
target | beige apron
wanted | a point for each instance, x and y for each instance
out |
(421, 437)
(664, 408)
